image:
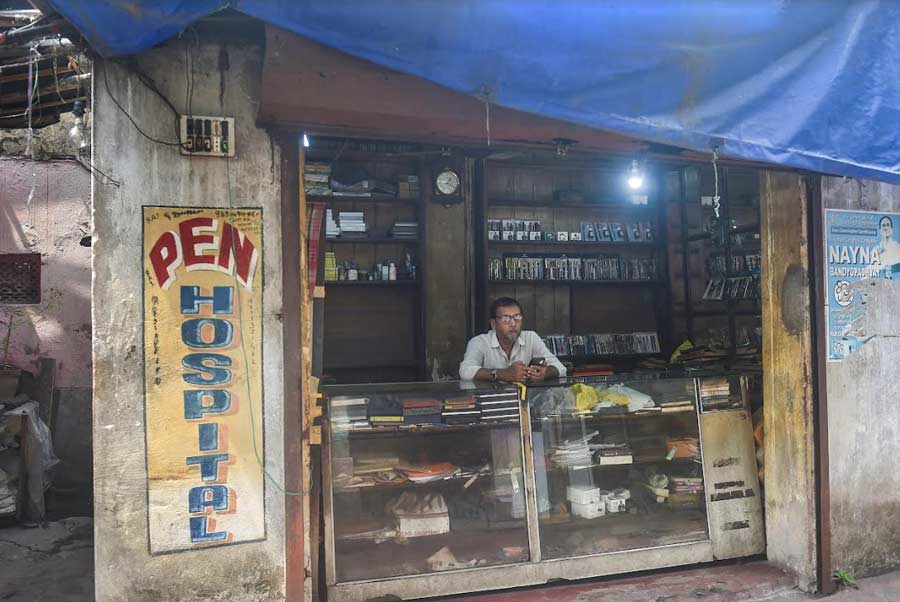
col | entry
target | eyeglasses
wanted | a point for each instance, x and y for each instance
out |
(508, 319)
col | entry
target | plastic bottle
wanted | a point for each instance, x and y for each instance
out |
(392, 271)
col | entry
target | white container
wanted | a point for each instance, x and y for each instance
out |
(583, 495)
(614, 505)
(590, 510)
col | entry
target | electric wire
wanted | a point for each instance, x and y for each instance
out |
(240, 334)
(131, 119)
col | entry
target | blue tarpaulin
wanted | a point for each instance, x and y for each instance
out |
(808, 84)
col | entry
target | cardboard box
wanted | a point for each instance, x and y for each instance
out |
(580, 494)
(591, 510)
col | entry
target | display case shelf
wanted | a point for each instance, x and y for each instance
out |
(524, 506)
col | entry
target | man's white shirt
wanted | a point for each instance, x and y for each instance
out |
(484, 351)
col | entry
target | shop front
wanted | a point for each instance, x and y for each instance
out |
(458, 486)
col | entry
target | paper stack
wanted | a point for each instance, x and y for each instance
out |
(498, 407)
(421, 411)
(315, 178)
(349, 412)
(332, 230)
(460, 409)
(405, 230)
(353, 224)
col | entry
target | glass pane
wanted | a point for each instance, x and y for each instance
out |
(425, 478)
(617, 465)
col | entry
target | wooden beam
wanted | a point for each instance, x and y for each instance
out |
(292, 285)
(788, 376)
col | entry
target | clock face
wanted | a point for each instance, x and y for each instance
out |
(447, 182)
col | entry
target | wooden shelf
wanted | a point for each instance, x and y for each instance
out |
(661, 460)
(410, 484)
(600, 245)
(373, 240)
(612, 417)
(388, 283)
(623, 205)
(422, 429)
(577, 282)
(607, 357)
(375, 198)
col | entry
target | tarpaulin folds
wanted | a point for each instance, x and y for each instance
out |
(800, 83)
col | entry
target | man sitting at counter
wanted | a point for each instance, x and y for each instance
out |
(506, 352)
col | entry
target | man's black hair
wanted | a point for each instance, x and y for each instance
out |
(503, 302)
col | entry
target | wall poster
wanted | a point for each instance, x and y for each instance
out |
(859, 245)
(203, 294)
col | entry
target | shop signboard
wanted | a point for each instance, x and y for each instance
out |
(859, 246)
(203, 294)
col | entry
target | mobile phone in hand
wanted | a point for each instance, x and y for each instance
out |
(538, 361)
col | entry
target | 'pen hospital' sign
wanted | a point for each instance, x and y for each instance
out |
(203, 376)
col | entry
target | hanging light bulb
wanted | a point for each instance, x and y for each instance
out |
(635, 176)
(76, 132)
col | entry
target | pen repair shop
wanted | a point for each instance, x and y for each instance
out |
(308, 269)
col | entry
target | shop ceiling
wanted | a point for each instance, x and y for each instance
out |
(809, 85)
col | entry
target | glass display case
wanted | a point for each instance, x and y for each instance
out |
(434, 489)
(425, 477)
(618, 465)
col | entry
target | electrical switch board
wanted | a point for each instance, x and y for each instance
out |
(207, 136)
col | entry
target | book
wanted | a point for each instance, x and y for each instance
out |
(603, 232)
(610, 460)
(634, 232)
(588, 232)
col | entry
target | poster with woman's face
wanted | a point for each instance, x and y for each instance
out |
(859, 245)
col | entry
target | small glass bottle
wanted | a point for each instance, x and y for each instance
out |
(392, 271)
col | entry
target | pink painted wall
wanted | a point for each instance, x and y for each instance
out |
(52, 225)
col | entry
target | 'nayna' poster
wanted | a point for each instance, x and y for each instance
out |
(860, 245)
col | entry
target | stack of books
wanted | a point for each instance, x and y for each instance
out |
(349, 412)
(685, 492)
(460, 410)
(715, 394)
(385, 410)
(405, 230)
(331, 272)
(421, 411)
(353, 224)
(332, 230)
(316, 178)
(614, 454)
(498, 407)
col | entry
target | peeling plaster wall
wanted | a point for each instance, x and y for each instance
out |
(154, 174)
(864, 413)
(52, 224)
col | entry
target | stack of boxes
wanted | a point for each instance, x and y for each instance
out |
(593, 502)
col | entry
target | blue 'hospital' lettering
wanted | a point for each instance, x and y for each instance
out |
(195, 406)
(199, 534)
(206, 370)
(209, 465)
(208, 436)
(192, 333)
(215, 374)
(208, 496)
(222, 300)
